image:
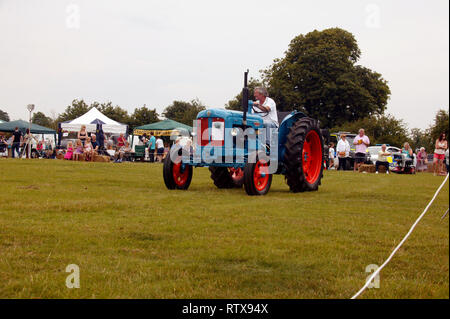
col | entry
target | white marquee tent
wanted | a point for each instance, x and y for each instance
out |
(91, 119)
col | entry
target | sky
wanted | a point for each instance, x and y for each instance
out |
(154, 52)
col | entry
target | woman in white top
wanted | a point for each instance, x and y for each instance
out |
(439, 154)
(343, 151)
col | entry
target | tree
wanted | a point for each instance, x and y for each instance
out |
(420, 138)
(381, 129)
(115, 113)
(142, 116)
(78, 108)
(319, 76)
(440, 125)
(236, 103)
(183, 112)
(4, 116)
(40, 118)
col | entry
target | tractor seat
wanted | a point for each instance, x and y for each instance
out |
(281, 116)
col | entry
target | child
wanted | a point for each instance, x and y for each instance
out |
(331, 155)
(69, 152)
(88, 149)
(78, 150)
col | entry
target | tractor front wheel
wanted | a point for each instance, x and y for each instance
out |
(177, 175)
(303, 156)
(257, 179)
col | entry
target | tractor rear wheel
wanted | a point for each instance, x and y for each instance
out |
(176, 174)
(257, 179)
(224, 177)
(303, 156)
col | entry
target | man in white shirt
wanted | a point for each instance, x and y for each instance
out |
(266, 108)
(160, 149)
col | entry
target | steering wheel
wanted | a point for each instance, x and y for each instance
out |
(259, 111)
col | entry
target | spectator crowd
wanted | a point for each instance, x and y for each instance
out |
(339, 156)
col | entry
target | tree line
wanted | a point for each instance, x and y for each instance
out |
(180, 111)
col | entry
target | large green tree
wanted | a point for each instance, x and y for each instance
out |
(40, 118)
(420, 138)
(319, 76)
(4, 116)
(183, 112)
(381, 129)
(115, 113)
(142, 116)
(76, 109)
(440, 125)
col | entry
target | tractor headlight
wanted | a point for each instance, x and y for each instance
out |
(234, 131)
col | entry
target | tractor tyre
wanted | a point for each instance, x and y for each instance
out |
(176, 174)
(224, 177)
(303, 156)
(257, 179)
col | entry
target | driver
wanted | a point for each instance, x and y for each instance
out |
(266, 108)
(265, 105)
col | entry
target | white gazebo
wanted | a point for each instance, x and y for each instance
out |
(91, 119)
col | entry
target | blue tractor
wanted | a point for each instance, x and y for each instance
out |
(240, 150)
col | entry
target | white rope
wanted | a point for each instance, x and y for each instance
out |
(400, 244)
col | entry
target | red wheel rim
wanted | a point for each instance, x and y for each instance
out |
(261, 175)
(236, 173)
(179, 177)
(312, 157)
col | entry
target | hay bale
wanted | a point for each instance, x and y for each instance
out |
(101, 158)
(381, 169)
(369, 168)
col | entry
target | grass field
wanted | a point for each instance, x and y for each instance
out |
(132, 238)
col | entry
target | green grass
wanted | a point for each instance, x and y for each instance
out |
(133, 238)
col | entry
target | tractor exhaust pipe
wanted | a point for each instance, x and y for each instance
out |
(245, 99)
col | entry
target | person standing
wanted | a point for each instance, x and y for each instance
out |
(27, 141)
(82, 134)
(151, 147)
(343, 151)
(160, 148)
(439, 154)
(331, 155)
(382, 159)
(100, 139)
(17, 141)
(361, 143)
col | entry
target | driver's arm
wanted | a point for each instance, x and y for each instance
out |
(262, 108)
